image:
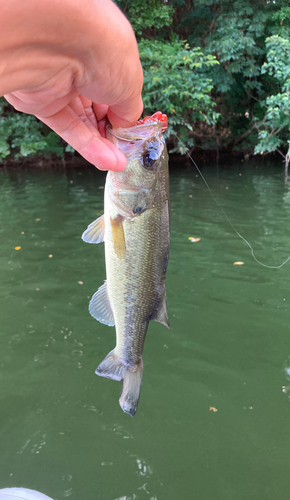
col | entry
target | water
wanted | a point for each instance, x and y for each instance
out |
(61, 429)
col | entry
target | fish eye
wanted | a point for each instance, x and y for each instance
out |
(149, 159)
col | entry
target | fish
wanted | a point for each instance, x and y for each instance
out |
(135, 231)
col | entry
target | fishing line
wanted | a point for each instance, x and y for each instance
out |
(231, 224)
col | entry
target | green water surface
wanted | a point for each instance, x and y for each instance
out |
(61, 429)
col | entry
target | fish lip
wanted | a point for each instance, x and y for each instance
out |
(141, 138)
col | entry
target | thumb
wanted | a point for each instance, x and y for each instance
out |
(126, 113)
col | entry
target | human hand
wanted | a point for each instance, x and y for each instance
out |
(75, 87)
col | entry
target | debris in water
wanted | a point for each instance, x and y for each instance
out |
(194, 240)
(17, 248)
(212, 408)
(238, 263)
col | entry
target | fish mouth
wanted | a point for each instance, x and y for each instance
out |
(134, 133)
(132, 141)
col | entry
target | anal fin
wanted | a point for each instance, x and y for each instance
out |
(110, 367)
(162, 313)
(95, 232)
(100, 307)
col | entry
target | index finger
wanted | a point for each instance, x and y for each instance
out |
(86, 140)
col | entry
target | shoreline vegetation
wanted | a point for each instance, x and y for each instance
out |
(219, 70)
(200, 157)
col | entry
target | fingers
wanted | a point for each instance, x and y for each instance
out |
(100, 111)
(85, 139)
(83, 109)
(34, 103)
(88, 110)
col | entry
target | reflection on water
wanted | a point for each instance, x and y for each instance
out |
(61, 429)
(286, 388)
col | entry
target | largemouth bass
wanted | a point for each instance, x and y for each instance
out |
(135, 229)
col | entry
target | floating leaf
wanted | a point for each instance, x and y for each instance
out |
(17, 248)
(212, 408)
(238, 263)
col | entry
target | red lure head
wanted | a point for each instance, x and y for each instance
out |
(157, 117)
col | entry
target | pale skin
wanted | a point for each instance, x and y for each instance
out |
(74, 65)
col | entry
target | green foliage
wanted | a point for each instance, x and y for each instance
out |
(220, 70)
(144, 14)
(282, 16)
(278, 60)
(175, 83)
(23, 135)
(274, 128)
(248, 94)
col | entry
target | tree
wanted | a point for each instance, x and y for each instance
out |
(219, 69)
(176, 77)
(175, 83)
(274, 128)
(23, 135)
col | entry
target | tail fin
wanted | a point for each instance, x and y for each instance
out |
(112, 368)
(130, 394)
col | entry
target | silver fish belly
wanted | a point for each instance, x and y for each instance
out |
(135, 229)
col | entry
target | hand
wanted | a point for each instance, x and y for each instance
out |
(75, 86)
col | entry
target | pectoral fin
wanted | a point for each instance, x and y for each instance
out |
(118, 236)
(95, 232)
(100, 307)
(162, 313)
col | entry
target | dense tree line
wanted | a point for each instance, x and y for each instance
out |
(220, 70)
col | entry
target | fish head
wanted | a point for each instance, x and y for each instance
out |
(139, 185)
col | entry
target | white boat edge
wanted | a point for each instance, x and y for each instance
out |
(22, 494)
